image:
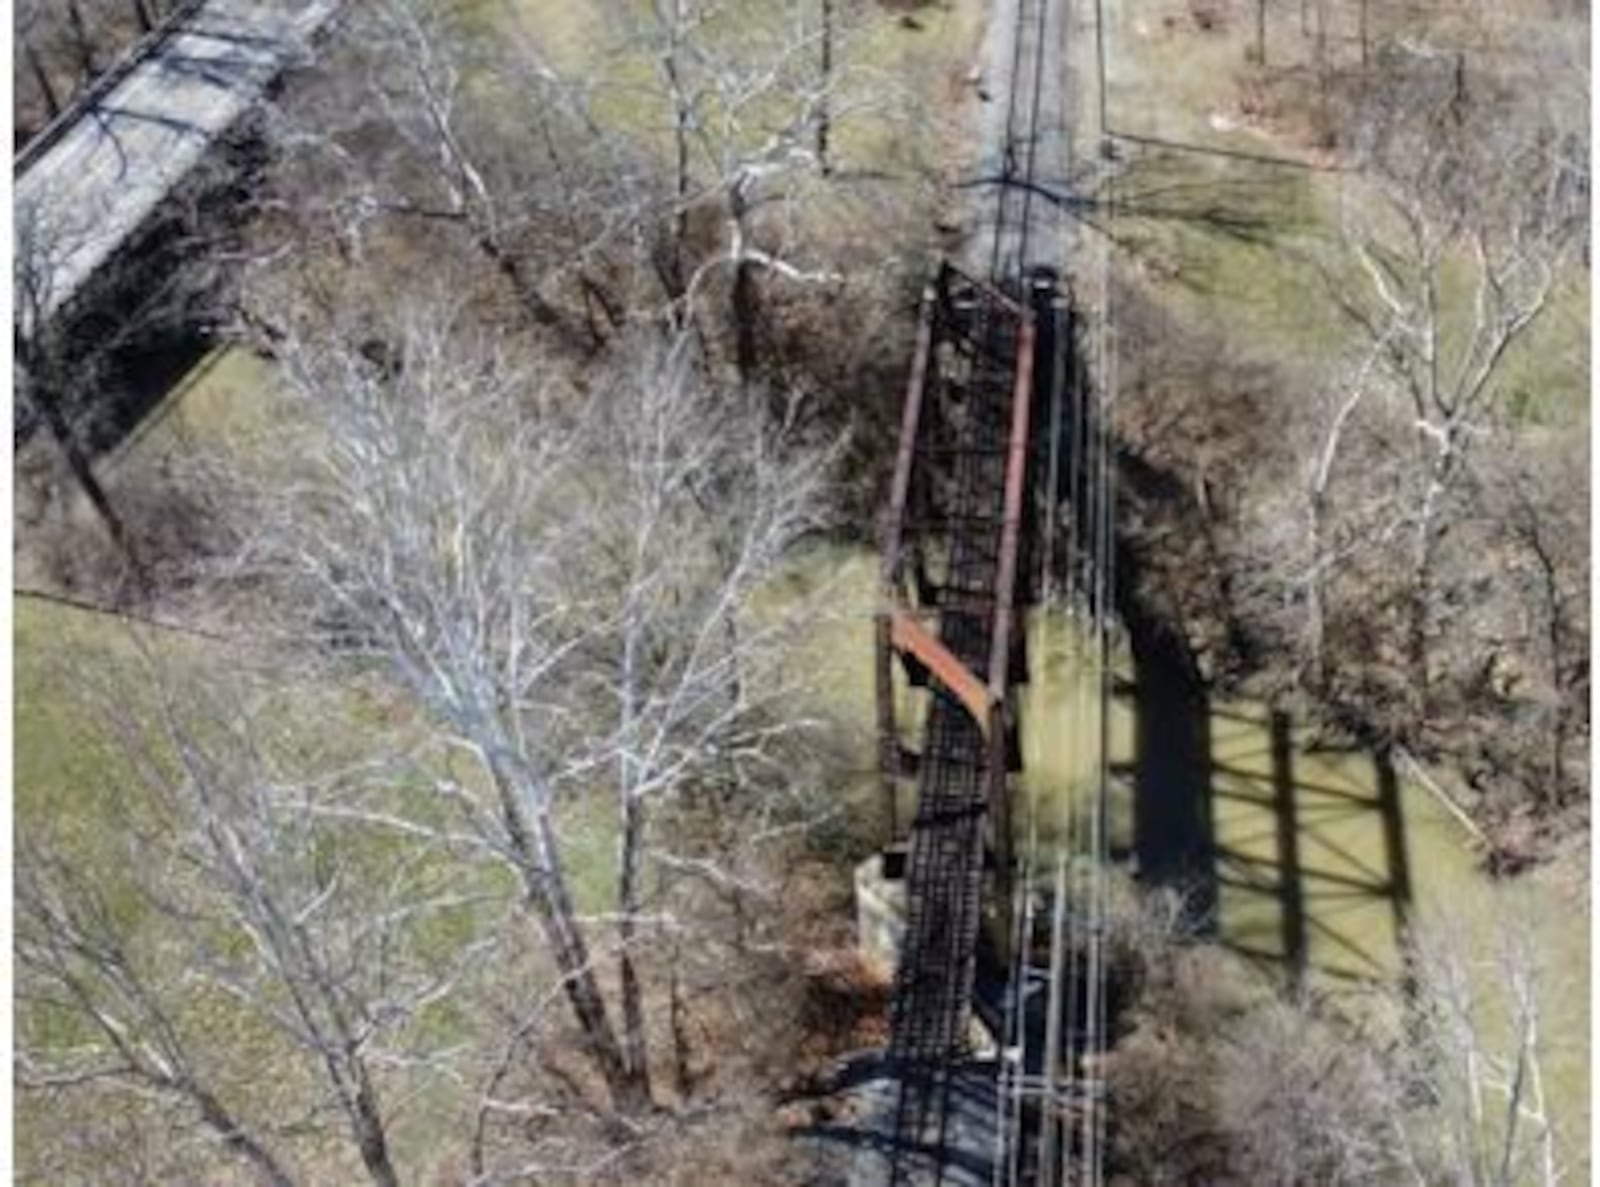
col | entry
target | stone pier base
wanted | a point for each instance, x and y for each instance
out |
(881, 908)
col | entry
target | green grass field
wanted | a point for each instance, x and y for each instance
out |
(1242, 245)
(86, 751)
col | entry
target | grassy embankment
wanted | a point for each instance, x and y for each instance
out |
(1237, 243)
(70, 776)
(1233, 245)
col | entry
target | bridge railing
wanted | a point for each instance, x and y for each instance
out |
(967, 331)
(85, 101)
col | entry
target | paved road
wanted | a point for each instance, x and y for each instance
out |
(78, 204)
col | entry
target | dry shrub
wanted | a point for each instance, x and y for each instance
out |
(844, 1007)
(1204, 428)
(176, 525)
(1304, 1100)
(1162, 1073)
(1163, 1129)
(747, 1006)
(1220, 1078)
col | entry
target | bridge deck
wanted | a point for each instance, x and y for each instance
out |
(953, 556)
(102, 178)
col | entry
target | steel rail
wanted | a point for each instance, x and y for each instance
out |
(910, 432)
(893, 561)
(965, 741)
(1011, 140)
(980, 494)
(1108, 346)
(1040, 40)
(1014, 178)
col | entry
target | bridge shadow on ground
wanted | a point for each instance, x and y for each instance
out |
(1289, 851)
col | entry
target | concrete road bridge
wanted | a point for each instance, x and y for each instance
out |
(88, 185)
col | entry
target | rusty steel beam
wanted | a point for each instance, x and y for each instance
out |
(1005, 589)
(910, 636)
(1010, 533)
(961, 638)
(894, 534)
(888, 731)
(910, 429)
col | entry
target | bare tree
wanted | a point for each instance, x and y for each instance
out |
(1490, 1121)
(1308, 1097)
(614, 197)
(83, 44)
(29, 24)
(561, 585)
(389, 140)
(250, 890)
(1551, 529)
(1375, 535)
(419, 531)
(73, 956)
(1336, 528)
(750, 118)
(1441, 1081)
(825, 83)
(1437, 1078)
(693, 517)
(1483, 185)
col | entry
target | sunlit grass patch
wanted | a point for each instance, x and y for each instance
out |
(1545, 375)
(896, 73)
(1257, 252)
(222, 403)
(1236, 246)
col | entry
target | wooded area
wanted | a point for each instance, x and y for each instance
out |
(489, 816)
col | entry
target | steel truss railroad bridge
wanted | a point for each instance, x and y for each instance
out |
(965, 545)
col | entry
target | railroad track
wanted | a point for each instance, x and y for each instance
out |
(1018, 246)
(945, 874)
(977, 376)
